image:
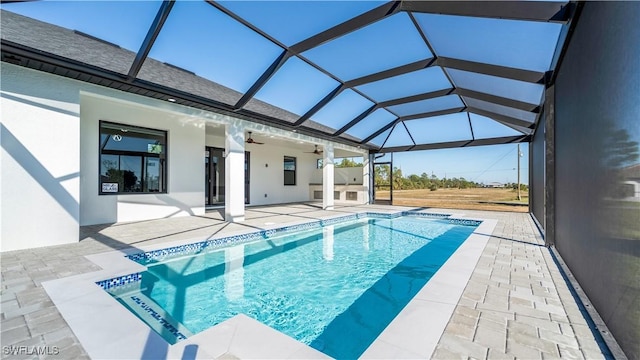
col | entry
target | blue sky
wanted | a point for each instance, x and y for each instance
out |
(482, 164)
(297, 86)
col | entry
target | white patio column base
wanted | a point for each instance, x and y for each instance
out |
(327, 178)
(234, 173)
(367, 176)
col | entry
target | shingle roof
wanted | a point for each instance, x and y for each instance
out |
(64, 42)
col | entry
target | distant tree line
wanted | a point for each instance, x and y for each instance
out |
(341, 163)
(347, 162)
(426, 181)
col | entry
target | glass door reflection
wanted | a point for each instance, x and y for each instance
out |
(214, 176)
(214, 172)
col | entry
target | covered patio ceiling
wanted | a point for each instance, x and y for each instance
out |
(283, 139)
(394, 76)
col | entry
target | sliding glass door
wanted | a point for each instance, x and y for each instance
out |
(214, 172)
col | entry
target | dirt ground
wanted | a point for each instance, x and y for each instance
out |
(473, 199)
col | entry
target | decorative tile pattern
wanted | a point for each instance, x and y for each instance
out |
(375, 215)
(465, 222)
(125, 289)
(300, 227)
(164, 322)
(424, 214)
(119, 281)
(159, 255)
(338, 220)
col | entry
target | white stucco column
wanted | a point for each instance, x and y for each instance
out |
(366, 177)
(234, 173)
(327, 178)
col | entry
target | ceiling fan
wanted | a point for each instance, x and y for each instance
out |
(251, 141)
(316, 151)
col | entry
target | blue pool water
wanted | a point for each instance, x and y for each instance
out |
(335, 288)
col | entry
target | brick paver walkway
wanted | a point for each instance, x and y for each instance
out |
(517, 304)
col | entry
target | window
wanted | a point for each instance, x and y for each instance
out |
(132, 159)
(317, 195)
(319, 164)
(289, 170)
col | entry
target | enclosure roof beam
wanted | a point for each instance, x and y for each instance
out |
(356, 120)
(152, 34)
(521, 105)
(513, 10)
(530, 76)
(262, 80)
(466, 93)
(535, 77)
(418, 97)
(399, 70)
(432, 114)
(379, 131)
(335, 92)
(501, 118)
(348, 26)
(456, 144)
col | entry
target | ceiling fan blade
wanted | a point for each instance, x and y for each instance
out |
(315, 151)
(251, 141)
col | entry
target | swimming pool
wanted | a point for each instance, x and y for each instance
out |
(316, 285)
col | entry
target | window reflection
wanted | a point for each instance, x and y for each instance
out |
(152, 175)
(289, 170)
(132, 159)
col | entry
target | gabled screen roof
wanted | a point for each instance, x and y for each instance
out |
(387, 76)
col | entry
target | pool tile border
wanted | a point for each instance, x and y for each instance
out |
(120, 281)
(195, 248)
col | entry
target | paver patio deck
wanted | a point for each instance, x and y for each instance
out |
(515, 305)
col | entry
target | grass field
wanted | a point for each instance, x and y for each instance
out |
(476, 199)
